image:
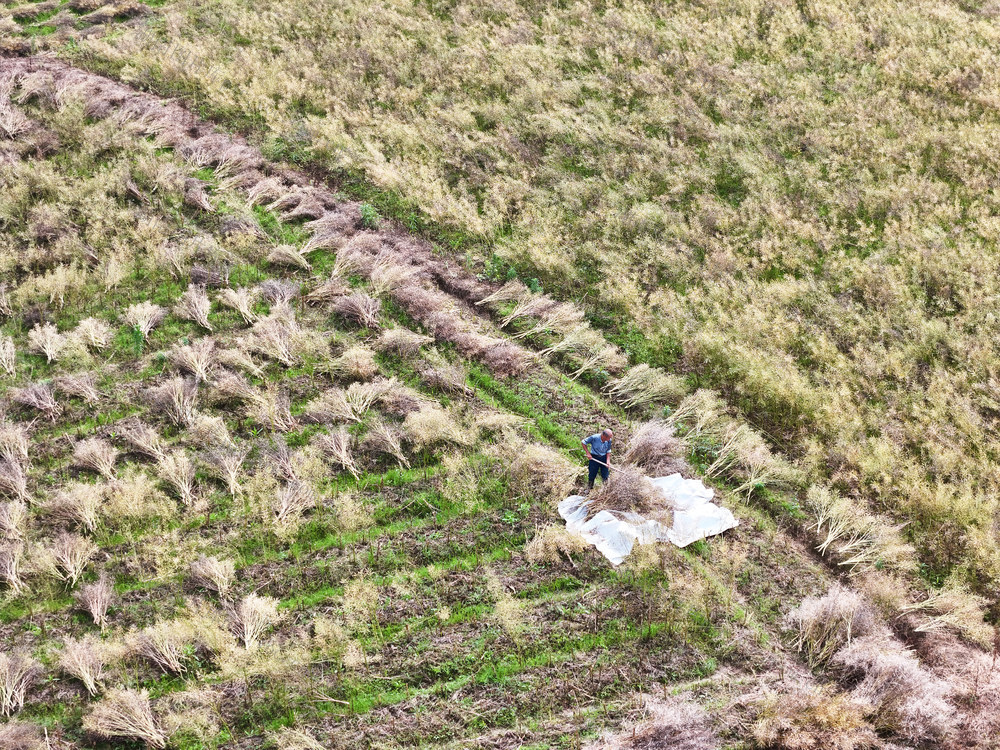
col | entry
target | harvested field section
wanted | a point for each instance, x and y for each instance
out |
(270, 475)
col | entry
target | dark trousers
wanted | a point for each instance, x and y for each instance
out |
(595, 468)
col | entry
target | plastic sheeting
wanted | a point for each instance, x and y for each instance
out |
(614, 534)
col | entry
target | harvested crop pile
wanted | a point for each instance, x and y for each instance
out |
(628, 491)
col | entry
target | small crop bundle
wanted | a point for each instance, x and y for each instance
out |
(71, 553)
(227, 465)
(446, 376)
(18, 672)
(432, 425)
(85, 660)
(83, 385)
(177, 470)
(359, 308)
(197, 359)
(385, 439)
(94, 599)
(213, 573)
(14, 481)
(627, 490)
(14, 442)
(144, 317)
(288, 255)
(8, 356)
(164, 644)
(93, 333)
(401, 341)
(272, 408)
(242, 299)
(273, 338)
(290, 502)
(336, 447)
(126, 713)
(38, 396)
(194, 305)
(141, 438)
(78, 504)
(656, 449)
(208, 430)
(539, 471)
(328, 292)
(46, 339)
(252, 618)
(11, 557)
(279, 292)
(356, 362)
(13, 519)
(825, 624)
(97, 455)
(176, 398)
(551, 541)
(643, 384)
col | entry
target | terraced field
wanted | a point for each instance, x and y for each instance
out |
(278, 473)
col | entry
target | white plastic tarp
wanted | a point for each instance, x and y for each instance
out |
(695, 517)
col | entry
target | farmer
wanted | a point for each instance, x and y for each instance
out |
(598, 448)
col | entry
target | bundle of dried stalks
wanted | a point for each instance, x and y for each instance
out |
(194, 305)
(360, 308)
(97, 455)
(213, 574)
(288, 255)
(227, 465)
(8, 356)
(627, 490)
(164, 644)
(78, 504)
(209, 430)
(176, 398)
(279, 291)
(18, 672)
(85, 660)
(94, 599)
(38, 396)
(71, 553)
(83, 385)
(289, 503)
(141, 438)
(13, 520)
(655, 448)
(46, 339)
(386, 439)
(125, 713)
(336, 446)
(144, 317)
(272, 408)
(14, 442)
(356, 362)
(177, 470)
(512, 291)
(252, 618)
(328, 292)
(239, 359)
(401, 341)
(93, 333)
(242, 300)
(643, 385)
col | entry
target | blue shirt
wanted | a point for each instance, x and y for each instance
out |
(598, 447)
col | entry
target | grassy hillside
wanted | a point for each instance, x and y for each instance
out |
(263, 480)
(279, 462)
(796, 198)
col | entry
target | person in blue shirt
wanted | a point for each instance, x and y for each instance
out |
(598, 448)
